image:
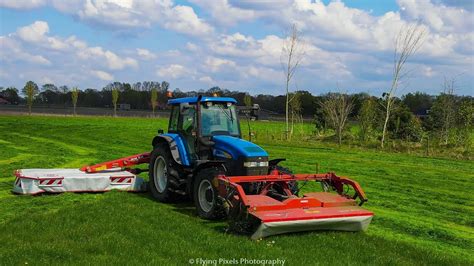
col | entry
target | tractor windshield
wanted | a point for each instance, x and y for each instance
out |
(219, 118)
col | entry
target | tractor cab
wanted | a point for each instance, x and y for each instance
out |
(207, 129)
(198, 119)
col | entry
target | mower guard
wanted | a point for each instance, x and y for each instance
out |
(312, 211)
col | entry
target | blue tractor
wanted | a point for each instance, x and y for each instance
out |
(203, 141)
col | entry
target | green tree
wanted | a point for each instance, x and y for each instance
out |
(367, 118)
(418, 102)
(248, 100)
(30, 91)
(115, 96)
(441, 117)
(10, 94)
(465, 121)
(403, 124)
(74, 97)
(154, 99)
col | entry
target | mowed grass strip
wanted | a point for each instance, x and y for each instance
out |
(424, 206)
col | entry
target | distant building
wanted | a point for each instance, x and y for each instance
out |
(124, 106)
(4, 101)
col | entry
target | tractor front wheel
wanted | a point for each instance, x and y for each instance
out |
(208, 204)
(162, 174)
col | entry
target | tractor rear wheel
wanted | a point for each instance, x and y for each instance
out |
(206, 198)
(162, 174)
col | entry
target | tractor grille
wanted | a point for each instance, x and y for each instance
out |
(239, 169)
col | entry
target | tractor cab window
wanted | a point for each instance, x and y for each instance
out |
(173, 125)
(187, 122)
(219, 118)
(187, 126)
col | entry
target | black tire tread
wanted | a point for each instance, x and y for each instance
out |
(219, 211)
(173, 177)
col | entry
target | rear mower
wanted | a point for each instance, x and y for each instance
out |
(204, 158)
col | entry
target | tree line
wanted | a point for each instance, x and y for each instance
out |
(414, 116)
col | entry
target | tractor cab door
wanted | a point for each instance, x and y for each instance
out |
(187, 127)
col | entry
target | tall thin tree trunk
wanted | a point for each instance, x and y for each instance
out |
(384, 131)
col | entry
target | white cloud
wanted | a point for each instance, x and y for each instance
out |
(343, 44)
(441, 18)
(109, 58)
(22, 4)
(102, 75)
(224, 13)
(145, 54)
(34, 32)
(206, 79)
(12, 50)
(126, 15)
(192, 47)
(183, 19)
(172, 71)
(216, 64)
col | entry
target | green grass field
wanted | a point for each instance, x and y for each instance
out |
(424, 206)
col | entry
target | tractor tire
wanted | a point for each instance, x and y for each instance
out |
(293, 186)
(162, 174)
(206, 198)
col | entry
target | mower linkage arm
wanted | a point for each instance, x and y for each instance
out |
(333, 180)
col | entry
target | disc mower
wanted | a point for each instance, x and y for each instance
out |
(204, 158)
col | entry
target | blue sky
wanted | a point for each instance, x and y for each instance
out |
(197, 44)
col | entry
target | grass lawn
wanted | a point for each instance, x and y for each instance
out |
(424, 206)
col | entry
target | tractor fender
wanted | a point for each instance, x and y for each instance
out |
(176, 145)
(275, 162)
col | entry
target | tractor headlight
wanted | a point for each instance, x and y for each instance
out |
(255, 164)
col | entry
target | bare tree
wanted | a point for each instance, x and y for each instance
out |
(336, 109)
(295, 110)
(448, 107)
(291, 55)
(407, 43)
(74, 96)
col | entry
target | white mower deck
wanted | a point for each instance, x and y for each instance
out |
(36, 181)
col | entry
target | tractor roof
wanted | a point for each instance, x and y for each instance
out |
(203, 99)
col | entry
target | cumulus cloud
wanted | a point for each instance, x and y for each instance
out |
(33, 45)
(343, 45)
(224, 13)
(145, 54)
(12, 50)
(206, 79)
(172, 71)
(102, 75)
(126, 15)
(18, 4)
(215, 64)
(110, 59)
